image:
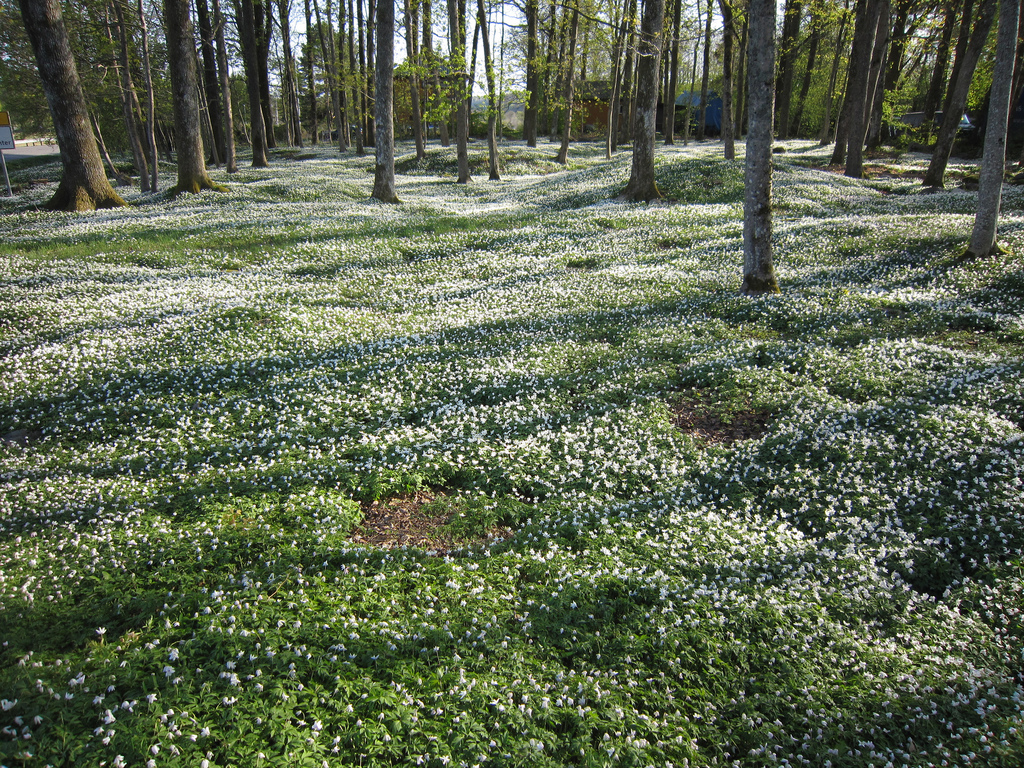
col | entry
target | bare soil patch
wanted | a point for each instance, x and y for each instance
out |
(411, 521)
(705, 424)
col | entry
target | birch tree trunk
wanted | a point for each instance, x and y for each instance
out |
(758, 266)
(993, 162)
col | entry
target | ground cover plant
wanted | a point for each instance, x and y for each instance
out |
(509, 474)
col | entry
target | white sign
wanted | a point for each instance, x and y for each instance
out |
(6, 137)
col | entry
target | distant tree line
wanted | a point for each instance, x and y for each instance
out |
(188, 80)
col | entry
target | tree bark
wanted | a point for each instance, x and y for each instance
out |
(958, 95)
(247, 38)
(741, 82)
(669, 130)
(357, 101)
(805, 85)
(728, 33)
(371, 68)
(858, 92)
(192, 176)
(567, 95)
(758, 266)
(457, 31)
(128, 99)
(702, 117)
(963, 39)
(412, 54)
(210, 79)
(291, 88)
(787, 64)
(314, 121)
(150, 130)
(938, 79)
(993, 163)
(642, 186)
(384, 117)
(830, 94)
(876, 89)
(532, 74)
(225, 90)
(492, 105)
(263, 25)
(83, 185)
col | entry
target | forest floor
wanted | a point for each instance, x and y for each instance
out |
(509, 473)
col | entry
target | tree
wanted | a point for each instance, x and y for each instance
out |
(702, 117)
(728, 34)
(83, 185)
(210, 79)
(957, 99)
(642, 186)
(787, 63)
(225, 89)
(457, 33)
(384, 119)
(181, 52)
(492, 105)
(758, 267)
(574, 31)
(247, 37)
(673, 78)
(532, 75)
(990, 184)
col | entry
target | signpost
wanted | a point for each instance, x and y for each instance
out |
(6, 142)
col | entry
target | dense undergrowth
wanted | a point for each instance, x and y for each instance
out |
(203, 398)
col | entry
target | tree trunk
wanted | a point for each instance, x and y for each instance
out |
(559, 79)
(263, 24)
(626, 82)
(875, 93)
(210, 80)
(357, 102)
(247, 38)
(150, 131)
(702, 117)
(121, 179)
(938, 79)
(612, 139)
(857, 84)
(83, 185)
(128, 99)
(412, 53)
(290, 79)
(457, 31)
(314, 122)
(574, 30)
(758, 267)
(492, 106)
(993, 163)
(371, 68)
(331, 64)
(181, 54)
(955, 109)
(787, 63)
(532, 74)
(669, 130)
(741, 82)
(642, 186)
(805, 86)
(962, 41)
(384, 117)
(830, 94)
(225, 90)
(728, 33)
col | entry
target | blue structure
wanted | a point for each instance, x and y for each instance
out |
(712, 114)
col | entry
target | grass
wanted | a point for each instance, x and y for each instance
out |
(509, 473)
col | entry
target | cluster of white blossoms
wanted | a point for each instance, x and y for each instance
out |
(201, 393)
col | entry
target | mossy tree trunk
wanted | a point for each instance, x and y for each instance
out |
(758, 266)
(83, 185)
(181, 53)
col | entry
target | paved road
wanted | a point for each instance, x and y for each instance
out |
(24, 150)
